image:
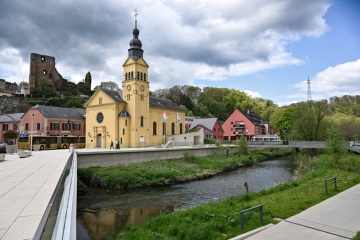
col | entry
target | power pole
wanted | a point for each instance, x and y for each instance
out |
(309, 91)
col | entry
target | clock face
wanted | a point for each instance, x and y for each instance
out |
(142, 88)
(128, 87)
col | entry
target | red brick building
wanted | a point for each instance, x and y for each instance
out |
(53, 121)
(247, 124)
(212, 127)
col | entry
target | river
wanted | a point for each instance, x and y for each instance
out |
(102, 211)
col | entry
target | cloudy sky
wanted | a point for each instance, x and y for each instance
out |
(267, 48)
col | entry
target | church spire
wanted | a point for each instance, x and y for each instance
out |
(135, 51)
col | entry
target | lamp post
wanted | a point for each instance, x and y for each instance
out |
(31, 136)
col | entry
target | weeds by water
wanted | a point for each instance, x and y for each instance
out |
(221, 220)
(163, 172)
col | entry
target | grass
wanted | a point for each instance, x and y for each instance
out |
(221, 220)
(163, 172)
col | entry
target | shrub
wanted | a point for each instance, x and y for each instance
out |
(241, 146)
(209, 141)
(334, 144)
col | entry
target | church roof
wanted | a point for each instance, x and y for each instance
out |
(163, 103)
(114, 95)
(61, 112)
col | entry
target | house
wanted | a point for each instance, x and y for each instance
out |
(53, 121)
(212, 127)
(24, 88)
(9, 122)
(246, 124)
(8, 88)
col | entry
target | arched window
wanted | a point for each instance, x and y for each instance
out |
(164, 128)
(173, 129)
(154, 128)
(126, 122)
(145, 77)
(141, 76)
(129, 75)
(180, 128)
(141, 121)
(138, 75)
(132, 74)
(123, 131)
(125, 76)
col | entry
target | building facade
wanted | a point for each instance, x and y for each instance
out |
(246, 124)
(132, 117)
(9, 122)
(212, 127)
(53, 121)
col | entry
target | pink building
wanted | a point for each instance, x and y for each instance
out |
(9, 122)
(247, 124)
(212, 127)
(53, 121)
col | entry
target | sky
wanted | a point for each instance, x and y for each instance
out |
(266, 48)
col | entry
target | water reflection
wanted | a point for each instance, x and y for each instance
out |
(102, 211)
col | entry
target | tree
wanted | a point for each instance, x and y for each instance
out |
(241, 147)
(10, 134)
(334, 144)
(110, 85)
(307, 120)
(44, 88)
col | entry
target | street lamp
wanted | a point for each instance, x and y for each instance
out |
(31, 138)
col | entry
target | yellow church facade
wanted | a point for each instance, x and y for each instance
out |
(131, 116)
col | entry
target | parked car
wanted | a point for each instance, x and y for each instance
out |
(2, 147)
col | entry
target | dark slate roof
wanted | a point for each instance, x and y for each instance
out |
(124, 113)
(15, 116)
(163, 103)
(114, 95)
(61, 112)
(205, 122)
(255, 119)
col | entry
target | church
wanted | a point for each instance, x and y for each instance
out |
(131, 116)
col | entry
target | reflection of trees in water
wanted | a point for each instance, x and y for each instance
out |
(102, 222)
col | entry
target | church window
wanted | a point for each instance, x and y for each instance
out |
(141, 121)
(100, 118)
(154, 128)
(123, 131)
(129, 75)
(141, 76)
(142, 97)
(173, 129)
(145, 77)
(138, 75)
(100, 100)
(164, 128)
(126, 76)
(132, 75)
(126, 122)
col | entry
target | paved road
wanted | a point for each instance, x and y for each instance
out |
(335, 218)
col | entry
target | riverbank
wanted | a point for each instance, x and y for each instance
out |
(165, 172)
(221, 220)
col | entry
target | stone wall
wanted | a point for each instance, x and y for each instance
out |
(13, 105)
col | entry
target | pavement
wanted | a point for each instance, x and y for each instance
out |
(335, 218)
(26, 186)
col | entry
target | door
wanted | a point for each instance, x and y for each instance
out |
(98, 140)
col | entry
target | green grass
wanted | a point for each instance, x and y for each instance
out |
(162, 172)
(221, 220)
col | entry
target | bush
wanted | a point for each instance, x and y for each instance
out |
(334, 144)
(209, 141)
(241, 146)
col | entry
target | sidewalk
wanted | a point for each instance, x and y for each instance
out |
(335, 218)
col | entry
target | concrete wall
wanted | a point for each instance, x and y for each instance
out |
(113, 158)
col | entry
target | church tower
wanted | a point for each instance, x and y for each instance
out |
(135, 91)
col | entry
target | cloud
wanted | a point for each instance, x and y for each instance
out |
(342, 79)
(182, 40)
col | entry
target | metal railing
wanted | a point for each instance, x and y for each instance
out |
(247, 210)
(326, 188)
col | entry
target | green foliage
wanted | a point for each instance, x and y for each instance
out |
(10, 134)
(209, 141)
(334, 144)
(220, 220)
(241, 146)
(190, 157)
(357, 237)
(220, 150)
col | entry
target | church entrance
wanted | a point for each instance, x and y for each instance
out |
(98, 143)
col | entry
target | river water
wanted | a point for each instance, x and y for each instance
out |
(101, 211)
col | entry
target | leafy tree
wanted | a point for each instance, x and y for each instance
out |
(334, 144)
(282, 119)
(44, 88)
(242, 147)
(307, 120)
(110, 85)
(10, 134)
